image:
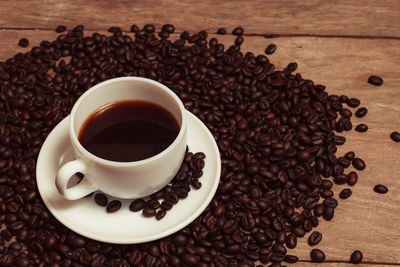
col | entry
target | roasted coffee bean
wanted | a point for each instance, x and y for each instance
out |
(314, 238)
(113, 206)
(381, 189)
(271, 48)
(361, 128)
(199, 155)
(160, 214)
(329, 212)
(330, 202)
(353, 102)
(358, 163)
(375, 80)
(168, 28)
(356, 257)
(352, 178)
(395, 136)
(344, 98)
(8, 259)
(137, 205)
(326, 184)
(350, 155)
(153, 203)
(101, 199)
(291, 258)
(23, 42)
(180, 239)
(345, 193)
(361, 112)
(219, 210)
(165, 205)
(134, 28)
(221, 31)
(238, 31)
(21, 261)
(149, 28)
(319, 210)
(317, 255)
(278, 248)
(61, 28)
(149, 212)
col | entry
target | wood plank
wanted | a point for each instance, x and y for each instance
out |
(366, 221)
(312, 17)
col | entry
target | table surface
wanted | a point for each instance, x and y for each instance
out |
(336, 43)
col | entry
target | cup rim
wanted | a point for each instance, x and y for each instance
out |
(93, 157)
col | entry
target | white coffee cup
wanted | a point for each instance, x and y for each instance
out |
(122, 179)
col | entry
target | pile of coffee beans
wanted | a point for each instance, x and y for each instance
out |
(160, 202)
(276, 131)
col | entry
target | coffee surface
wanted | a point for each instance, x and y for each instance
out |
(129, 130)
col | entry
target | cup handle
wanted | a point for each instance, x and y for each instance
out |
(77, 191)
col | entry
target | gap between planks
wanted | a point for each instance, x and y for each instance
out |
(266, 35)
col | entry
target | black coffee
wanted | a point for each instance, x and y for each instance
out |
(128, 131)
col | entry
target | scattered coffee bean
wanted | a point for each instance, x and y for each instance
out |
(238, 31)
(362, 128)
(291, 241)
(221, 31)
(361, 112)
(113, 206)
(353, 102)
(375, 80)
(358, 163)
(395, 136)
(345, 193)
(160, 214)
(101, 199)
(149, 212)
(314, 238)
(291, 258)
(352, 178)
(271, 48)
(61, 28)
(329, 213)
(23, 42)
(381, 189)
(134, 28)
(356, 257)
(149, 28)
(317, 255)
(169, 28)
(350, 155)
(137, 205)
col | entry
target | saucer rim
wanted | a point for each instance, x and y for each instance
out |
(116, 240)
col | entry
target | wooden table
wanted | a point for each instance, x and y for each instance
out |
(336, 43)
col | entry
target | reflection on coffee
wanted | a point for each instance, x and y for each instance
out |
(128, 130)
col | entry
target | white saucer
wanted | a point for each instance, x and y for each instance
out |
(85, 217)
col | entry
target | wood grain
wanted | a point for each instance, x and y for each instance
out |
(366, 221)
(288, 17)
